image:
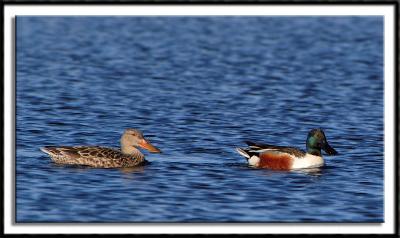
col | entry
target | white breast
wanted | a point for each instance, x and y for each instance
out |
(308, 161)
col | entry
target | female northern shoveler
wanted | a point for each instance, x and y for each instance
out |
(104, 157)
(287, 158)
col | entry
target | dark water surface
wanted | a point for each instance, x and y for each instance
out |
(198, 87)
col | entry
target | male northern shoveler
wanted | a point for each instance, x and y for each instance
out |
(288, 158)
(104, 157)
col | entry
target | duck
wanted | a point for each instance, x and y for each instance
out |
(276, 157)
(104, 157)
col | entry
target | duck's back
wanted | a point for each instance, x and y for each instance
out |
(93, 156)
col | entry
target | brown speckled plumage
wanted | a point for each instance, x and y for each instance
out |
(93, 156)
(104, 157)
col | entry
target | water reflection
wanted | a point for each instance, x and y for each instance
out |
(137, 169)
(310, 171)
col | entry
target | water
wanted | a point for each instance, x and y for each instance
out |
(198, 87)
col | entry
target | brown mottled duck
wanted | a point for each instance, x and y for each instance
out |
(104, 157)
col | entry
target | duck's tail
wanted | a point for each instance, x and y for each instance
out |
(243, 152)
(49, 150)
(247, 153)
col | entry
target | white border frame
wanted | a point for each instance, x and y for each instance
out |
(387, 11)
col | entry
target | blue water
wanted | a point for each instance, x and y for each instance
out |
(198, 87)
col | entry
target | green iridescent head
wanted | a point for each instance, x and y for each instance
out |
(316, 141)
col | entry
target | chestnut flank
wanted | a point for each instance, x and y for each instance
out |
(275, 161)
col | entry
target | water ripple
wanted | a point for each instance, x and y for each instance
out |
(198, 87)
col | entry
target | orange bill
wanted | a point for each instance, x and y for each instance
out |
(146, 145)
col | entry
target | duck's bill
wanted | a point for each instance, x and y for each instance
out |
(148, 146)
(329, 150)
